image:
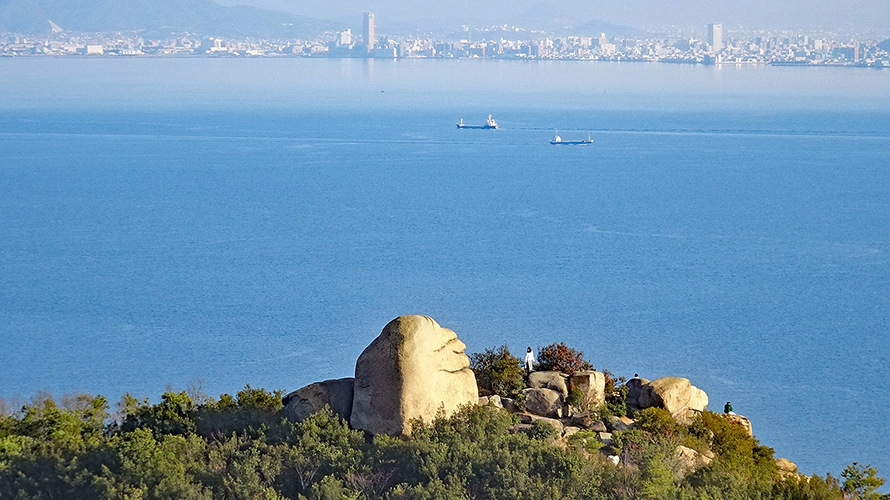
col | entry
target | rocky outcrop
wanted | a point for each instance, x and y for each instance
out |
(673, 394)
(493, 400)
(698, 400)
(634, 388)
(621, 423)
(337, 394)
(739, 420)
(787, 468)
(591, 385)
(527, 418)
(543, 402)
(599, 427)
(509, 404)
(605, 438)
(584, 419)
(785, 465)
(413, 369)
(556, 381)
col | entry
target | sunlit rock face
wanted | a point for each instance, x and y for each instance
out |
(673, 394)
(411, 370)
(300, 404)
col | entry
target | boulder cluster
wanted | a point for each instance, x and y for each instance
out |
(415, 369)
(547, 400)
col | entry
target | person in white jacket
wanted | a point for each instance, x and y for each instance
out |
(529, 360)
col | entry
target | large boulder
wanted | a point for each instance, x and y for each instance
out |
(698, 400)
(584, 419)
(412, 370)
(785, 465)
(543, 402)
(673, 394)
(305, 401)
(592, 386)
(634, 388)
(549, 380)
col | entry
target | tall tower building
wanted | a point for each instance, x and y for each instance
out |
(369, 32)
(715, 37)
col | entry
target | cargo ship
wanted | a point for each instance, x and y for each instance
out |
(559, 140)
(489, 124)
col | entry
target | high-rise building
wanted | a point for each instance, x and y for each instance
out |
(715, 36)
(369, 32)
(345, 38)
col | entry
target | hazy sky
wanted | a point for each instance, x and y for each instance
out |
(830, 14)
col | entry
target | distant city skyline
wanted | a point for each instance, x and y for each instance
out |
(784, 48)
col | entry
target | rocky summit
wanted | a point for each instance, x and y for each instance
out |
(415, 369)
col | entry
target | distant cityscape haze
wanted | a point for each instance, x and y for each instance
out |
(827, 14)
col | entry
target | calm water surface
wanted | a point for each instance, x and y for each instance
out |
(164, 221)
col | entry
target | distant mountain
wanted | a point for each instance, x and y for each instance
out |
(562, 18)
(596, 26)
(194, 16)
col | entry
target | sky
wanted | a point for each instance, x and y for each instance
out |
(872, 15)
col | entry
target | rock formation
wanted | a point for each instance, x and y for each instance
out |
(786, 467)
(673, 394)
(549, 380)
(413, 369)
(307, 400)
(634, 388)
(543, 402)
(527, 418)
(739, 420)
(592, 386)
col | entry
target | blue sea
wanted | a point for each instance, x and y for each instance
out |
(170, 222)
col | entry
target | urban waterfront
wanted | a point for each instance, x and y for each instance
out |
(711, 44)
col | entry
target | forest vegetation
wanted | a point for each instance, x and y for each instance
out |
(192, 446)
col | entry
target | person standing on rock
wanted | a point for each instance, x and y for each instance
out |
(529, 360)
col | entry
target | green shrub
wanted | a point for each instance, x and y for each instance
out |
(252, 412)
(576, 399)
(561, 358)
(658, 421)
(53, 451)
(542, 431)
(611, 381)
(497, 372)
(519, 402)
(861, 481)
(615, 404)
(585, 439)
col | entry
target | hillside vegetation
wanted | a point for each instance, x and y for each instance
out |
(194, 447)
